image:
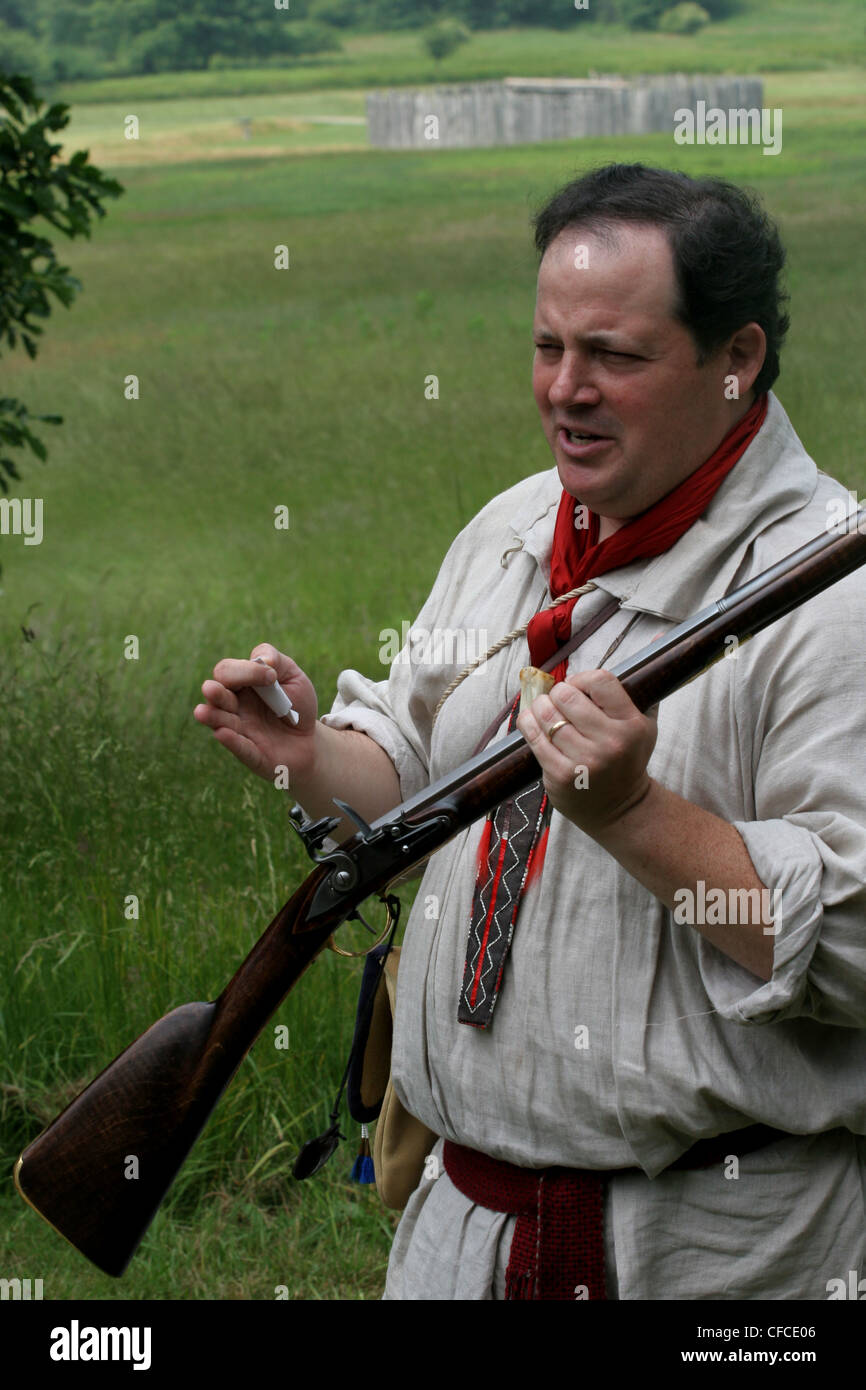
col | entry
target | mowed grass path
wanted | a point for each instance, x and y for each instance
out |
(261, 388)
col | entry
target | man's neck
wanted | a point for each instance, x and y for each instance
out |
(607, 525)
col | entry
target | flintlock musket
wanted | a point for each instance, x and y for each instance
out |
(155, 1098)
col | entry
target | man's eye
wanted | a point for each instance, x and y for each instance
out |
(605, 352)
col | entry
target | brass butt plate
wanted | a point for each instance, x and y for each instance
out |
(16, 1173)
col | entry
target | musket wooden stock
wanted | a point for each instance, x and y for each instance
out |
(152, 1102)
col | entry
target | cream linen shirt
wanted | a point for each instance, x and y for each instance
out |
(621, 1036)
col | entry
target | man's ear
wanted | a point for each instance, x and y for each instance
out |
(746, 351)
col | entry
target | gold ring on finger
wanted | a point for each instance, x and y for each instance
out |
(560, 724)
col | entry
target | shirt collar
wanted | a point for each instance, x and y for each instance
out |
(774, 477)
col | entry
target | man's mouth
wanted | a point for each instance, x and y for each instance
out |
(579, 435)
(581, 443)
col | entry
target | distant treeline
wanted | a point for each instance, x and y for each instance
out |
(61, 40)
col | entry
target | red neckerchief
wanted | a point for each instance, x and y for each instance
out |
(578, 556)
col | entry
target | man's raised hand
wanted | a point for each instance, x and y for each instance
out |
(244, 725)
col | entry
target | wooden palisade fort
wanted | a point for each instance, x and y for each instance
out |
(525, 110)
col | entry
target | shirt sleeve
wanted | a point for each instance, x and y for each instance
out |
(800, 706)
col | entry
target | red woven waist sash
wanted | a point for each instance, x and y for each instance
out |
(557, 1251)
(558, 1247)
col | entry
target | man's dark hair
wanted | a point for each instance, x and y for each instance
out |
(727, 252)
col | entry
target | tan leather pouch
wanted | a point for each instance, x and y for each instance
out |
(401, 1143)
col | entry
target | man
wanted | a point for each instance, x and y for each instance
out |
(629, 1024)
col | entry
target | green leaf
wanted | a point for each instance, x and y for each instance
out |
(57, 116)
(11, 104)
(14, 204)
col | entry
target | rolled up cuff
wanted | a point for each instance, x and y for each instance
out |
(789, 865)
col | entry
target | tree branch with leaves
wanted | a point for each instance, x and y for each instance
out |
(35, 185)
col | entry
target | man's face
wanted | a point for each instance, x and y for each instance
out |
(612, 361)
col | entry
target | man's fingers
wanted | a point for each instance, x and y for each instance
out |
(234, 674)
(591, 703)
(284, 666)
(216, 695)
(580, 712)
(565, 702)
(245, 751)
(215, 717)
(602, 688)
(534, 726)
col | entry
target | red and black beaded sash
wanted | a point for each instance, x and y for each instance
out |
(512, 844)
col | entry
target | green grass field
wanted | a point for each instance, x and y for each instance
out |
(302, 388)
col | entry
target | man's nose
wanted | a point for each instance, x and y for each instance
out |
(573, 383)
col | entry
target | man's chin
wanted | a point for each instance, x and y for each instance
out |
(585, 486)
(596, 471)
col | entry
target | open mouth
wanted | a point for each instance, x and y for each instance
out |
(582, 443)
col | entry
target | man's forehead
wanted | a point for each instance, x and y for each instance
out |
(614, 241)
(631, 273)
